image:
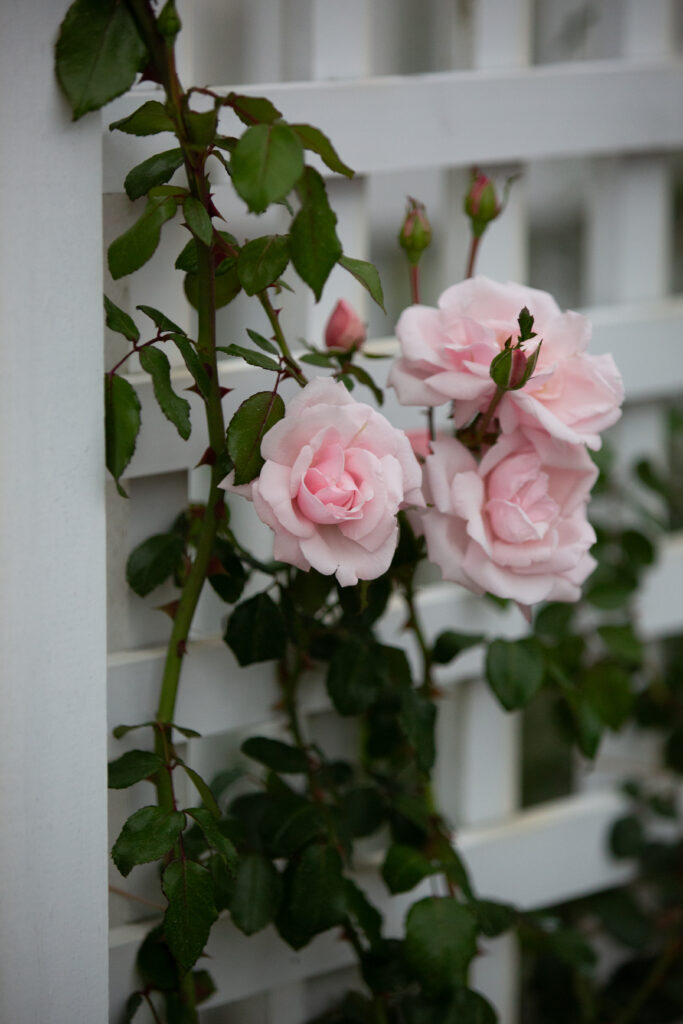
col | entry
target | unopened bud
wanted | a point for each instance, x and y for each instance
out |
(168, 21)
(345, 330)
(481, 203)
(416, 233)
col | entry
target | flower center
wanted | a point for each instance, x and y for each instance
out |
(328, 492)
(520, 509)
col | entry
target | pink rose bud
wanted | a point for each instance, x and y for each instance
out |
(416, 233)
(345, 329)
(481, 203)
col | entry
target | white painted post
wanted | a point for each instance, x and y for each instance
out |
(53, 843)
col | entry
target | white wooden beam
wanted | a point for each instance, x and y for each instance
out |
(53, 852)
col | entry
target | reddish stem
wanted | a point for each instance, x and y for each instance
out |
(415, 282)
(474, 246)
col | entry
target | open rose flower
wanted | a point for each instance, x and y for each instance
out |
(446, 354)
(515, 524)
(335, 475)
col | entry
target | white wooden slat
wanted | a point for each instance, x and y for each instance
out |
(53, 915)
(541, 857)
(447, 118)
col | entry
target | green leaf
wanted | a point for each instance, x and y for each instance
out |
(262, 261)
(202, 788)
(363, 377)
(317, 359)
(313, 139)
(227, 286)
(213, 835)
(354, 676)
(251, 357)
(223, 882)
(417, 718)
(246, 431)
(623, 643)
(362, 809)
(607, 688)
(132, 767)
(404, 867)
(494, 918)
(164, 323)
(627, 836)
(155, 171)
(450, 644)
(253, 109)
(638, 548)
(440, 942)
(257, 894)
(365, 914)
(133, 1004)
(256, 631)
(278, 756)
(652, 478)
(98, 53)
(287, 825)
(514, 670)
(147, 835)
(262, 342)
(366, 274)
(134, 247)
(149, 119)
(120, 730)
(176, 409)
(191, 910)
(117, 320)
(153, 561)
(266, 164)
(554, 620)
(673, 751)
(121, 424)
(198, 219)
(314, 896)
(586, 725)
(623, 918)
(187, 258)
(193, 363)
(155, 963)
(201, 127)
(313, 241)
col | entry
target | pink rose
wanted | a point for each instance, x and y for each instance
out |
(514, 525)
(335, 475)
(447, 353)
(345, 329)
(419, 441)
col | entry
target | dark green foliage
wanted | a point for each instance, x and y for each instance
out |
(262, 261)
(514, 670)
(266, 164)
(149, 119)
(314, 895)
(98, 53)
(121, 424)
(404, 867)
(256, 630)
(440, 942)
(247, 428)
(134, 247)
(313, 139)
(278, 756)
(198, 220)
(191, 910)
(176, 409)
(156, 170)
(118, 320)
(313, 241)
(450, 644)
(148, 834)
(151, 563)
(257, 893)
(366, 274)
(132, 767)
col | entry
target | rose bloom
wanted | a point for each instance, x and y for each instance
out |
(446, 354)
(336, 473)
(515, 524)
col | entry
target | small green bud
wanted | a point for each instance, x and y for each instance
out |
(481, 203)
(168, 22)
(416, 232)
